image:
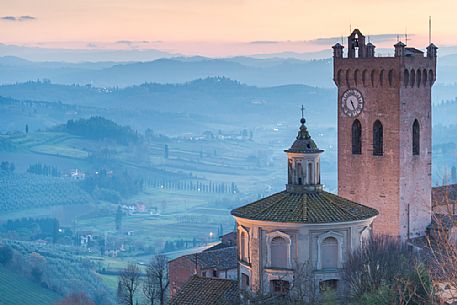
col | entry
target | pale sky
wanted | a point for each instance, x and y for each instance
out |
(219, 27)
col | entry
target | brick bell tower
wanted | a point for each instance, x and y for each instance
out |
(384, 133)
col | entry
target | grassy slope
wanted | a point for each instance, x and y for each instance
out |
(15, 289)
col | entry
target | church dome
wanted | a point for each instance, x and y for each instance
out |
(304, 200)
(303, 143)
(307, 208)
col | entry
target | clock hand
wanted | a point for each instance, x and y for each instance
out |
(352, 103)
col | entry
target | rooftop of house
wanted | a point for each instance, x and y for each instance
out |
(207, 291)
(307, 207)
(443, 195)
(413, 51)
(217, 247)
(220, 259)
(227, 240)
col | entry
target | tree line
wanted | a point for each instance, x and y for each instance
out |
(37, 228)
(112, 185)
(99, 128)
(43, 169)
(206, 187)
(7, 167)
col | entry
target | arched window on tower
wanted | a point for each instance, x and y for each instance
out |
(377, 139)
(431, 77)
(416, 138)
(406, 77)
(356, 138)
(391, 77)
(279, 252)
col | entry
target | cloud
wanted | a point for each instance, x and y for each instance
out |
(9, 18)
(130, 42)
(26, 18)
(18, 18)
(264, 42)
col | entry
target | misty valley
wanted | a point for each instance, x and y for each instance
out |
(103, 164)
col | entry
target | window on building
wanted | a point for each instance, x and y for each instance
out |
(279, 252)
(279, 286)
(291, 170)
(356, 138)
(406, 77)
(328, 285)
(378, 139)
(391, 77)
(329, 253)
(244, 281)
(416, 137)
(204, 273)
(214, 273)
(300, 173)
(310, 173)
(412, 79)
(431, 77)
(244, 246)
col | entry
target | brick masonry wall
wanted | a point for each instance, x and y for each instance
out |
(389, 182)
(180, 271)
(415, 171)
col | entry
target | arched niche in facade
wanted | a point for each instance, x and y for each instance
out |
(272, 249)
(243, 236)
(320, 240)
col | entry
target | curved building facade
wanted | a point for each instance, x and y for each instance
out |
(297, 241)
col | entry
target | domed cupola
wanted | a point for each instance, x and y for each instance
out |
(303, 163)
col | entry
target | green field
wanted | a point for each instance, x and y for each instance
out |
(17, 290)
(184, 215)
(63, 151)
(25, 191)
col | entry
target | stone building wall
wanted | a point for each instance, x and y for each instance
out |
(304, 250)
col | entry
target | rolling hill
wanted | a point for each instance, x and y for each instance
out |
(16, 289)
(253, 71)
(172, 108)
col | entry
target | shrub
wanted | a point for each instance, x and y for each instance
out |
(6, 254)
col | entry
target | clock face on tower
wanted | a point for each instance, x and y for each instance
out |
(352, 102)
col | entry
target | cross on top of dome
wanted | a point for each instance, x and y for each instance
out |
(303, 142)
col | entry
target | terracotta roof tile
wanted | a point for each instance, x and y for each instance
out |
(307, 207)
(221, 259)
(208, 291)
